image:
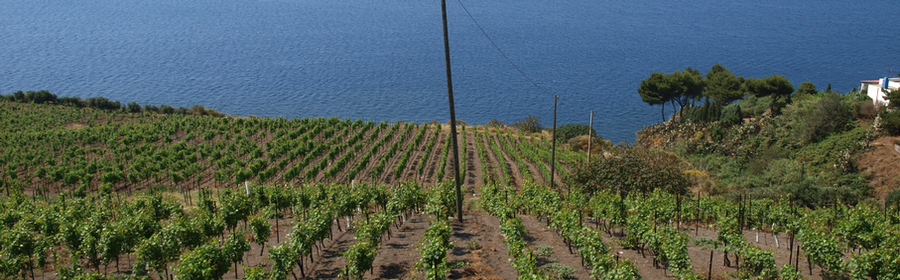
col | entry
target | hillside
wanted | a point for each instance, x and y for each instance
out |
(112, 194)
(822, 149)
(58, 148)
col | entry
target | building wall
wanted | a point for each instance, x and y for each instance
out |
(873, 90)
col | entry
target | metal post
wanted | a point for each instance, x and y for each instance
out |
(459, 215)
(553, 147)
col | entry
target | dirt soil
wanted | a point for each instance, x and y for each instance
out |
(881, 161)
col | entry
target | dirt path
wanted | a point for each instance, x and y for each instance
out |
(474, 178)
(387, 175)
(397, 256)
(541, 237)
(411, 170)
(700, 254)
(434, 159)
(477, 242)
(364, 174)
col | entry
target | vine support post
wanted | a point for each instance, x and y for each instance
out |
(459, 214)
(553, 147)
(590, 136)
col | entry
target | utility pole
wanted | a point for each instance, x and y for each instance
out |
(553, 147)
(590, 137)
(459, 214)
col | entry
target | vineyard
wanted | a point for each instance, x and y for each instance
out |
(99, 194)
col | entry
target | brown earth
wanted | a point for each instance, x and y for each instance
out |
(881, 161)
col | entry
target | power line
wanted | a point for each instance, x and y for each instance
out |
(510, 60)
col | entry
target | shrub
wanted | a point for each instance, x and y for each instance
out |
(580, 143)
(73, 101)
(42, 96)
(495, 123)
(166, 109)
(812, 120)
(183, 111)
(893, 198)
(633, 170)
(757, 106)
(133, 107)
(731, 115)
(103, 103)
(569, 131)
(890, 122)
(530, 124)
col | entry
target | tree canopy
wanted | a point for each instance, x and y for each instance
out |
(776, 85)
(688, 85)
(656, 90)
(808, 88)
(680, 87)
(722, 86)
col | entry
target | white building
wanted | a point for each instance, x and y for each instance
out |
(873, 88)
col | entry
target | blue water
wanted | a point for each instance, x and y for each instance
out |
(383, 59)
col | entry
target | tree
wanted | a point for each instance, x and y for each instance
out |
(657, 89)
(679, 87)
(893, 98)
(722, 86)
(688, 86)
(890, 120)
(776, 85)
(808, 88)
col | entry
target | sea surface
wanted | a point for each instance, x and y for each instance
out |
(384, 59)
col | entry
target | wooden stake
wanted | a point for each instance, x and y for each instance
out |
(590, 137)
(553, 148)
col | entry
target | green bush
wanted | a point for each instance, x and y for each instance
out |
(42, 96)
(166, 109)
(103, 103)
(569, 131)
(133, 107)
(530, 124)
(731, 115)
(813, 119)
(890, 122)
(633, 170)
(72, 101)
(151, 108)
(893, 198)
(757, 106)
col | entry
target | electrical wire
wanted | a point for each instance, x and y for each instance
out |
(510, 60)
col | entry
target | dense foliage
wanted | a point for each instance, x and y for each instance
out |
(633, 170)
(807, 150)
(569, 131)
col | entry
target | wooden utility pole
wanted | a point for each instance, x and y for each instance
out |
(590, 137)
(553, 146)
(459, 214)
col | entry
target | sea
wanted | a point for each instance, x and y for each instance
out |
(384, 59)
